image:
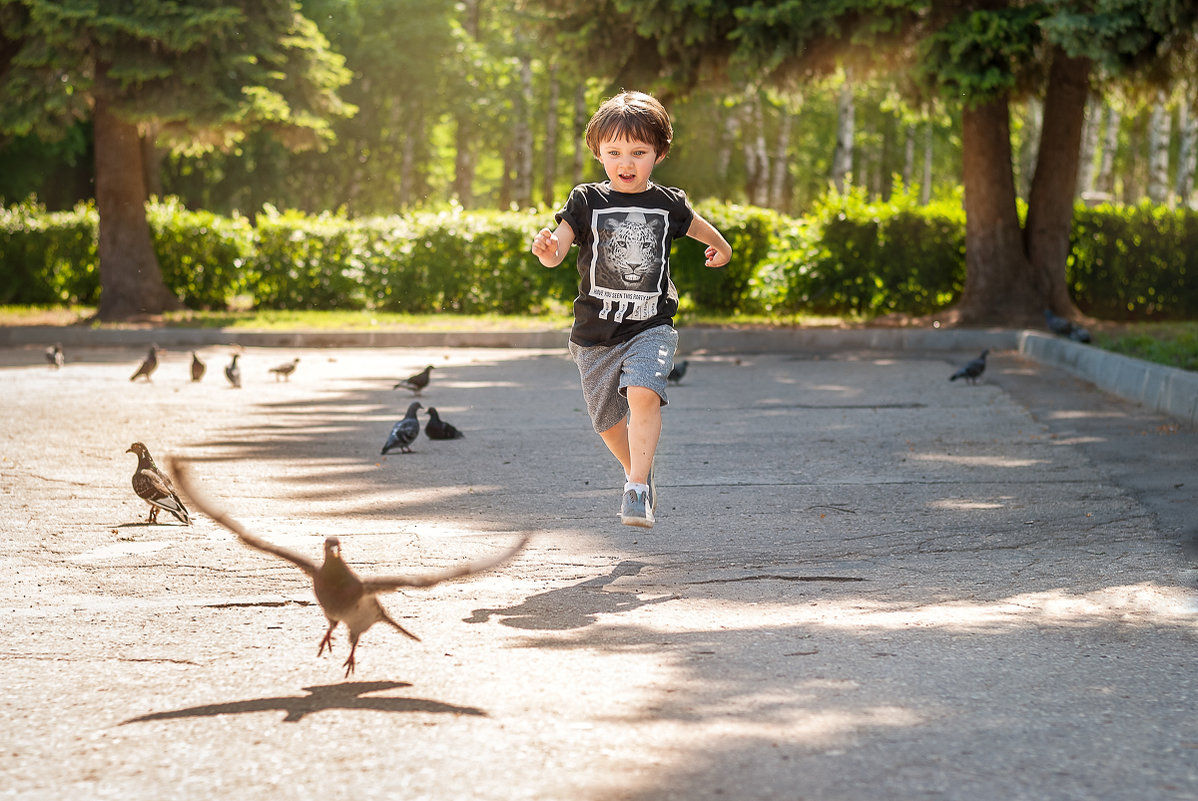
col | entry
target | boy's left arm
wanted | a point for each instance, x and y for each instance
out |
(718, 252)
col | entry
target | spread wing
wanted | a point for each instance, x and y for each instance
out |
(392, 583)
(183, 477)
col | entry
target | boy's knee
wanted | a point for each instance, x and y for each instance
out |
(643, 397)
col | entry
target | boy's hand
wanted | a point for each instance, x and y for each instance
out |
(717, 257)
(544, 246)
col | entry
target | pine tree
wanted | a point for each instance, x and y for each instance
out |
(199, 74)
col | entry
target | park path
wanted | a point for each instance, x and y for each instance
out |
(866, 582)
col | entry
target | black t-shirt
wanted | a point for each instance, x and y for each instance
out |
(624, 259)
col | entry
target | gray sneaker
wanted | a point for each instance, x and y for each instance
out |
(636, 510)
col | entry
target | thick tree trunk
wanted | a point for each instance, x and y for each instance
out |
(1050, 201)
(998, 287)
(130, 278)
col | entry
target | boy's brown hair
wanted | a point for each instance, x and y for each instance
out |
(631, 115)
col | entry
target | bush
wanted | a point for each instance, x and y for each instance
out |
(1134, 262)
(751, 232)
(48, 258)
(202, 255)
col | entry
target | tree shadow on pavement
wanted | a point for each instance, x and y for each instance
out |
(347, 695)
(573, 607)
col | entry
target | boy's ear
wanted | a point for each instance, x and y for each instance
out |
(660, 159)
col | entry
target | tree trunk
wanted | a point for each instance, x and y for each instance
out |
(925, 186)
(549, 179)
(580, 125)
(130, 277)
(842, 157)
(1110, 146)
(1085, 173)
(780, 167)
(908, 155)
(151, 162)
(998, 287)
(757, 166)
(1050, 201)
(1187, 154)
(463, 163)
(1159, 130)
(522, 138)
(728, 134)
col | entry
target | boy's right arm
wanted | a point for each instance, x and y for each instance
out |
(551, 247)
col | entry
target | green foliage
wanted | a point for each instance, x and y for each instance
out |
(202, 255)
(1134, 262)
(48, 257)
(980, 54)
(850, 257)
(751, 232)
(855, 257)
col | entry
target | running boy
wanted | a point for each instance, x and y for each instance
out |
(623, 339)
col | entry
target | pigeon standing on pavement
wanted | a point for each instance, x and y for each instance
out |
(233, 372)
(972, 369)
(344, 597)
(148, 365)
(54, 356)
(197, 367)
(436, 428)
(285, 370)
(415, 382)
(678, 371)
(154, 486)
(404, 433)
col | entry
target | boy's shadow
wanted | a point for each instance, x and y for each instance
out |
(347, 695)
(571, 607)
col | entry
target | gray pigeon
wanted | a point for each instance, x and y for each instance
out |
(404, 433)
(1065, 328)
(148, 365)
(415, 382)
(154, 486)
(54, 356)
(436, 428)
(972, 369)
(678, 371)
(233, 372)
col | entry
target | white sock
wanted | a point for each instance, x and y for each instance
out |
(631, 485)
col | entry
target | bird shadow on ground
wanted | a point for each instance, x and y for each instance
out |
(573, 607)
(346, 695)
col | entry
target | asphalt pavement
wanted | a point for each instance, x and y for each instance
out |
(866, 581)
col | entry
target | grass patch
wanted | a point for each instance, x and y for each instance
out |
(1170, 344)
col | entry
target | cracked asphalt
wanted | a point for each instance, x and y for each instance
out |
(865, 582)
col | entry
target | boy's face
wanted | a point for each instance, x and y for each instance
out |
(628, 163)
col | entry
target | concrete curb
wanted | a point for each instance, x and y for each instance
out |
(1167, 390)
(1162, 389)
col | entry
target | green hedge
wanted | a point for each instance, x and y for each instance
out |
(847, 256)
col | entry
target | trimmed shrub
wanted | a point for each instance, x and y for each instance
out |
(48, 257)
(202, 255)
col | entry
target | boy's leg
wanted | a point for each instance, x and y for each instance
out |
(643, 432)
(616, 440)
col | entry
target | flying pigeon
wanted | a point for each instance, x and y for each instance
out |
(415, 382)
(197, 367)
(972, 369)
(155, 488)
(54, 356)
(678, 371)
(436, 428)
(148, 365)
(344, 597)
(285, 370)
(233, 372)
(404, 433)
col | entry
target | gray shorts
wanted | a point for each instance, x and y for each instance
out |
(608, 371)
